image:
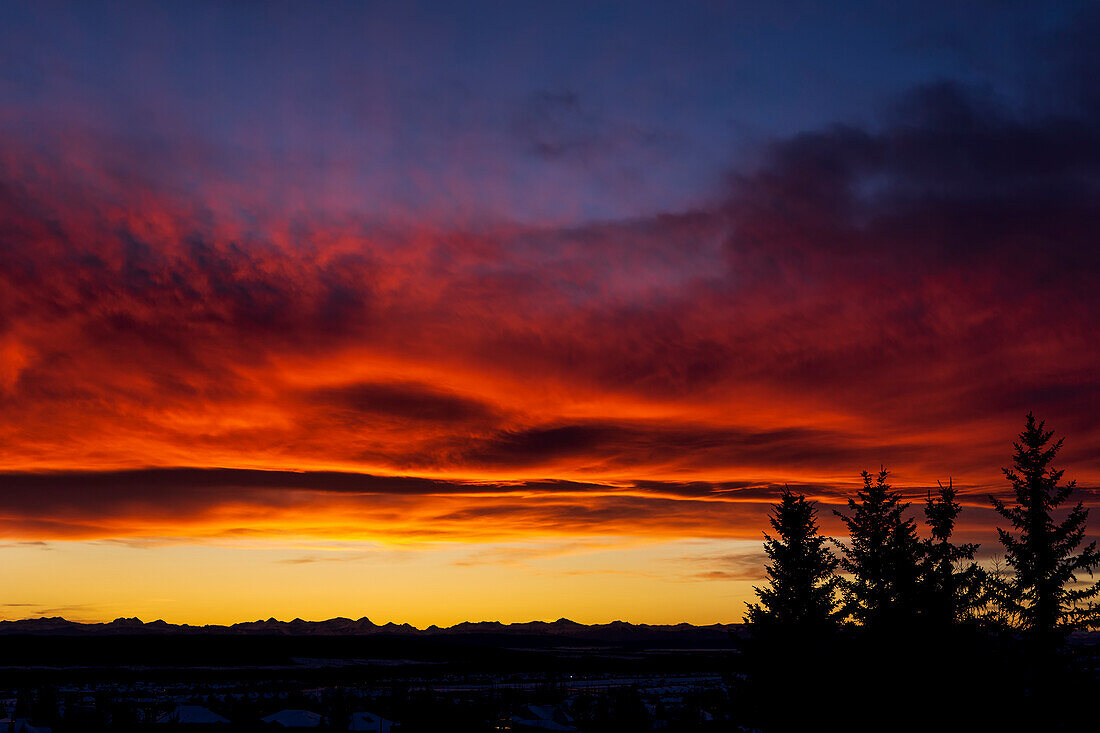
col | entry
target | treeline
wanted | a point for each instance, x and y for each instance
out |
(897, 611)
(887, 576)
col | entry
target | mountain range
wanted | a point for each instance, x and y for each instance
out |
(614, 631)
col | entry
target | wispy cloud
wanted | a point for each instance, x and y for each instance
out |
(185, 361)
(749, 565)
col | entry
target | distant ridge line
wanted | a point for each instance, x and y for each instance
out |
(614, 631)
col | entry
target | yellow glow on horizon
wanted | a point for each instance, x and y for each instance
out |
(434, 583)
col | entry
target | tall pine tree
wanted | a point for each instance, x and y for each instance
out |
(790, 628)
(1045, 595)
(882, 557)
(801, 587)
(952, 584)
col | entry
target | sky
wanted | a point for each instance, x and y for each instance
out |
(435, 312)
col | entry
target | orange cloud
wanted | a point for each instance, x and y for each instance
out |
(807, 325)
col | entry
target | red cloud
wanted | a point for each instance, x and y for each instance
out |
(896, 297)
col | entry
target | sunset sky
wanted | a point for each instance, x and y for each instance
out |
(433, 312)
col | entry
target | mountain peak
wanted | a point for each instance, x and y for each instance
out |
(341, 626)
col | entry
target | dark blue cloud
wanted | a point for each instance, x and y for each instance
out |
(412, 108)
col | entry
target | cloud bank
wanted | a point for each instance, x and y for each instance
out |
(192, 359)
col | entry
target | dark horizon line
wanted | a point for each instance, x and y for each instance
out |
(340, 625)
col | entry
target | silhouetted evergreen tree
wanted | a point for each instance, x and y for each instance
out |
(997, 593)
(791, 628)
(882, 556)
(801, 588)
(1044, 594)
(952, 584)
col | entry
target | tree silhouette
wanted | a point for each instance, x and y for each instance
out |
(953, 586)
(882, 556)
(801, 587)
(1044, 594)
(790, 629)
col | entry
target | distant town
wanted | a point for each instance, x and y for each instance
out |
(562, 676)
